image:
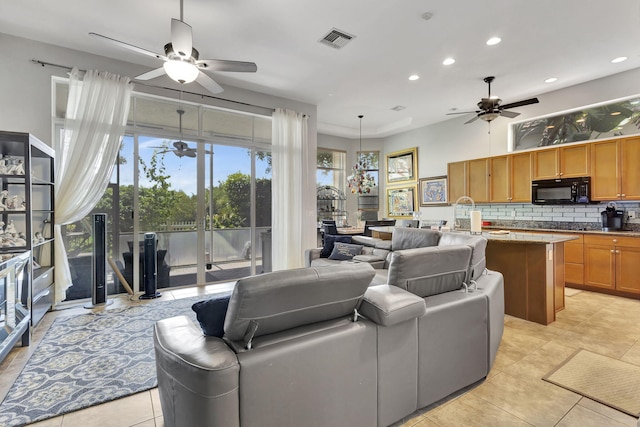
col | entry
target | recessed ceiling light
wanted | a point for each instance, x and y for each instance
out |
(616, 113)
(551, 80)
(448, 61)
(427, 15)
(619, 59)
(414, 77)
(494, 40)
(581, 120)
(549, 127)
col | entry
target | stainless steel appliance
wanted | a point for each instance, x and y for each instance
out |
(561, 191)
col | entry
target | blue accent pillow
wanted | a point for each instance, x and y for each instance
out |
(211, 314)
(329, 240)
(345, 251)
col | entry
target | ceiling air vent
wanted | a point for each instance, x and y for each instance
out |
(337, 39)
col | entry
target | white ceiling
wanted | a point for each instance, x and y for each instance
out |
(573, 40)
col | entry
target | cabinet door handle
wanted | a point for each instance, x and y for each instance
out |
(623, 195)
(617, 251)
(615, 240)
(618, 195)
(612, 251)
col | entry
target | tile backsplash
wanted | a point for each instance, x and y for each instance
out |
(567, 217)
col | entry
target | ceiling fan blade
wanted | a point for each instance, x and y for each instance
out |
(189, 153)
(181, 38)
(208, 83)
(471, 120)
(129, 46)
(519, 103)
(223, 65)
(509, 114)
(462, 112)
(151, 74)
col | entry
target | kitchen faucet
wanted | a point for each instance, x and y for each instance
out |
(455, 209)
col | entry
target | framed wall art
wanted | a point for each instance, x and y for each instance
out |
(402, 166)
(401, 202)
(433, 191)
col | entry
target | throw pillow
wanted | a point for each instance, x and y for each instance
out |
(211, 314)
(345, 251)
(329, 240)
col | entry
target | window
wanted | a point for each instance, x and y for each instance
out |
(330, 168)
(199, 177)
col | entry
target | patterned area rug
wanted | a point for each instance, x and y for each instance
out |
(89, 359)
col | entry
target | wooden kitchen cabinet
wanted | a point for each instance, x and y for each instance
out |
(562, 162)
(612, 262)
(574, 261)
(478, 180)
(469, 178)
(615, 171)
(510, 178)
(457, 177)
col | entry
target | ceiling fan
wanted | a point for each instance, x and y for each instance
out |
(490, 108)
(181, 59)
(181, 148)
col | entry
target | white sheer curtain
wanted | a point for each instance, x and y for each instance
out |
(293, 182)
(97, 111)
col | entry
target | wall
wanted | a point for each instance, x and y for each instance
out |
(452, 140)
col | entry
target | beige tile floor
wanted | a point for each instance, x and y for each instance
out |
(512, 395)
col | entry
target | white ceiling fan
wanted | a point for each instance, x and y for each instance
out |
(181, 59)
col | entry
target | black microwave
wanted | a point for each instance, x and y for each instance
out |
(562, 191)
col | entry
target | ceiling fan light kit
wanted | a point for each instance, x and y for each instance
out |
(181, 71)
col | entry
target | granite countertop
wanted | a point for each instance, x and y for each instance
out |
(556, 230)
(523, 237)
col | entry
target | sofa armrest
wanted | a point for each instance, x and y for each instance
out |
(389, 305)
(310, 255)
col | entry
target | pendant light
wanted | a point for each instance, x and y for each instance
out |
(360, 181)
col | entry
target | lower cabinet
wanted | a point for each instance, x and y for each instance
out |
(574, 261)
(612, 263)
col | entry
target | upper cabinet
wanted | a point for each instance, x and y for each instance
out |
(469, 178)
(561, 162)
(510, 178)
(457, 185)
(615, 174)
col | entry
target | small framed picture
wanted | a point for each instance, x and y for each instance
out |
(433, 191)
(402, 166)
(401, 202)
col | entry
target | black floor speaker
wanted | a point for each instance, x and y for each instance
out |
(99, 261)
(150, 269)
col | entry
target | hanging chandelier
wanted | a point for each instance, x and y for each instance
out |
(360, 181)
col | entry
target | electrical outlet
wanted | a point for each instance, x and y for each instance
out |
(513, 213)
(632, 214)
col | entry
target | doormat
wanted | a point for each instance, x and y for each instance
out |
(609, 381)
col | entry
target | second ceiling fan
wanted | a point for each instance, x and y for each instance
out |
(181, 59)
(489, 108)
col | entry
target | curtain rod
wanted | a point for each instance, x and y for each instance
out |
(66, 67)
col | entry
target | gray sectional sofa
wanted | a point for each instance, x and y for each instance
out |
(326, 347)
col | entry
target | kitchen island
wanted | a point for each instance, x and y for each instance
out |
(533, 268)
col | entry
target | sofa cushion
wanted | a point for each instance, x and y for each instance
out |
(345, 251)
(286, 299)
(329, 240)
(431, 270)
(211, 313)
(410, 238)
